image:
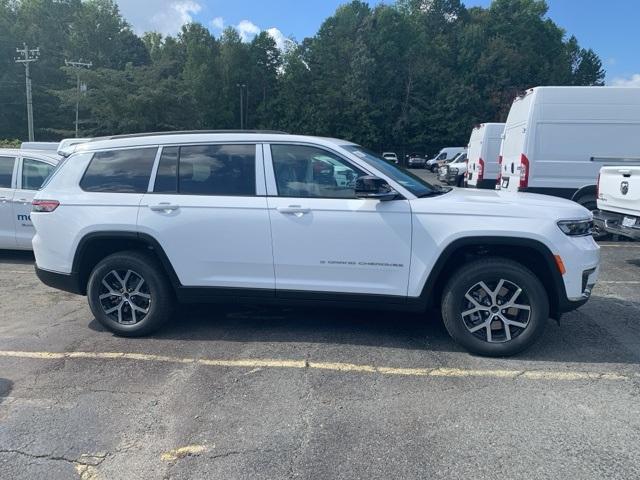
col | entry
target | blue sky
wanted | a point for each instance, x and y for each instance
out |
(605, 26)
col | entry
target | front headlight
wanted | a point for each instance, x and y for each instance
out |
(576, 228)
(453, 171)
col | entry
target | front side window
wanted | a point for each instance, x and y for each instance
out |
(408, 180)
(303, 171)
(6, 171)
(34, 173)
(120, 171)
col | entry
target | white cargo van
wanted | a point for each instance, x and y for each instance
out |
(619, 201)
(484, 150)
(556, 139)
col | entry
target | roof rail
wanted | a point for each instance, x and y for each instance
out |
(186, 132)
(47, 146)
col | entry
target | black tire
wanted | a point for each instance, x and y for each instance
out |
(155, 285)
(491, 271)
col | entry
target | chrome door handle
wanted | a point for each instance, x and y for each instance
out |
(293, 210)
(164, 207)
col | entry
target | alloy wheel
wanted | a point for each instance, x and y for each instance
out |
(124, 296)
(496, 312)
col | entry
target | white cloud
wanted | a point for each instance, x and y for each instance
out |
(283, 43)
(247, 30)
(633, 81)
(218, 23)
(169, 16)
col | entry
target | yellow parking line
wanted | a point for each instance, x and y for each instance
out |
(178, 453)
(329, 366)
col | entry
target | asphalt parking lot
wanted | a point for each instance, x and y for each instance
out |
(263, 392)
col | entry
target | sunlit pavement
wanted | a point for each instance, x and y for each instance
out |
(255, 392)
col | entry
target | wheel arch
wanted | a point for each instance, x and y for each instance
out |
(531, 253)
(95, 246)
(586, 191)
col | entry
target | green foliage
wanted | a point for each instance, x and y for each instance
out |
(6, 143)
(415, 75)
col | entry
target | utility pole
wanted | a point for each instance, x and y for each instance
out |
(241, 86)
(78, 66)
(28, 56)
(246, 107)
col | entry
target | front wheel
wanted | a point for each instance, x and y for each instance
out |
(495, 307)
(129, 294)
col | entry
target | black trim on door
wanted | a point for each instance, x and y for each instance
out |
(553, 191)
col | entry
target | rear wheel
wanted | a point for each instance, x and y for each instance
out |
(495, 307)
(129, 294)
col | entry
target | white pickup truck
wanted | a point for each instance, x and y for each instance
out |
(619, 201)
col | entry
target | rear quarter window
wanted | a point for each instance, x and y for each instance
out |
(119, 171)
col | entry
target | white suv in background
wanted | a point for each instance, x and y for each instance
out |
(138, 222)
(22, 173)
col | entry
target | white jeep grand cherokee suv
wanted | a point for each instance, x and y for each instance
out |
(137, 223)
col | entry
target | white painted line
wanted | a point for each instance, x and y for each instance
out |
(330, 366)
(619, 282)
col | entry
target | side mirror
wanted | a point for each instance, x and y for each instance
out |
(374, 188)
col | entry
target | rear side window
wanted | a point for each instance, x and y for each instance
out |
(34, 173)
(120, 171)
(167, 175)
(217, 170)
(6, 171)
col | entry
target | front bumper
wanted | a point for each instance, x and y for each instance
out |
(612, 222)
(453, 177)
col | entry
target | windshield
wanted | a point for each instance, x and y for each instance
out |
(408, 180)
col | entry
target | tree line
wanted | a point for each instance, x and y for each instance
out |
(414, 75)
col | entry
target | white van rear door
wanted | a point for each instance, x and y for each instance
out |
(513, 145)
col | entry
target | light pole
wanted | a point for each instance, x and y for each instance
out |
(28, 56)
(241, 86)
(77, 66)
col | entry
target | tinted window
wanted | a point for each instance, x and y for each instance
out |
(408, 180)
(303, 171)
(6, 171)
(167, 175)
(124, 171)
(34, 173)
(217, 170)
